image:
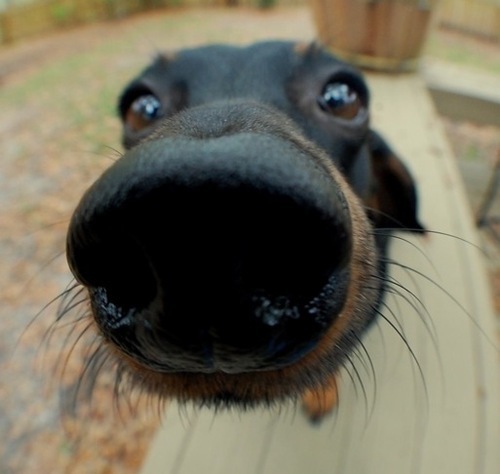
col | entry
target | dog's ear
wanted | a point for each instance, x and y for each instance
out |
(393, 202)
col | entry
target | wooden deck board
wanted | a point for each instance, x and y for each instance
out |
(440, 415)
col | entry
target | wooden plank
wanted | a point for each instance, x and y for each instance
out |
(480, 17)
(436, 411)
(464, 421)
(463, 93)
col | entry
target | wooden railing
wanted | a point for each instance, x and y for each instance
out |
(479, 17)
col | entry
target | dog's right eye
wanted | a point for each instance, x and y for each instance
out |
(341, 100)
(143, 111)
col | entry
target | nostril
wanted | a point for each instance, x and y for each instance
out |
(107, 257)
(296, 247)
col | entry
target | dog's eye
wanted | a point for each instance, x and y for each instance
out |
(143, 111)
(341, 100)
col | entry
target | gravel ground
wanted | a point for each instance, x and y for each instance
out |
(58, 130)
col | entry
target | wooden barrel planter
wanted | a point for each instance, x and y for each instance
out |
(378, 34)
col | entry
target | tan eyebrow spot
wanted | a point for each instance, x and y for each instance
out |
(301, 48)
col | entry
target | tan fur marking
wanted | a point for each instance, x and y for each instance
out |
(320, 402)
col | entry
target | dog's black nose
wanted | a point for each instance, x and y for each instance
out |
(226, 254)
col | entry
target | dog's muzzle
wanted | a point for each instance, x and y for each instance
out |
(225, 250)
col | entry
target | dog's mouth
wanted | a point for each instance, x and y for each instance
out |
(230, 254)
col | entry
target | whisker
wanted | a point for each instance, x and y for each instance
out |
(40, 312)
(364, 355)
(396, 236)
(88, 377)
(368, 407)
(406, 343)
(454, 300)
(388, 232)
(358, 380)
(64, 309)
(113, 157)
(82, 332)
(415, 302)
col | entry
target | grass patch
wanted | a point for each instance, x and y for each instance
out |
(464, 50)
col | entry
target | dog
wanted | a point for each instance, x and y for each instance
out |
(236, 253)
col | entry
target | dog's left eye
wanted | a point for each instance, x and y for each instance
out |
(143, 111)
(341, 100)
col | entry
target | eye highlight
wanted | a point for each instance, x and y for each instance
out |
(341, 100)
(143, 111)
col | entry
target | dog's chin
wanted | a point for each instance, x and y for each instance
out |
(223, 389)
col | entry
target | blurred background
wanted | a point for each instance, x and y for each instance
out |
(63, 64)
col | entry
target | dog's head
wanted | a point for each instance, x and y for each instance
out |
(231, 254)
